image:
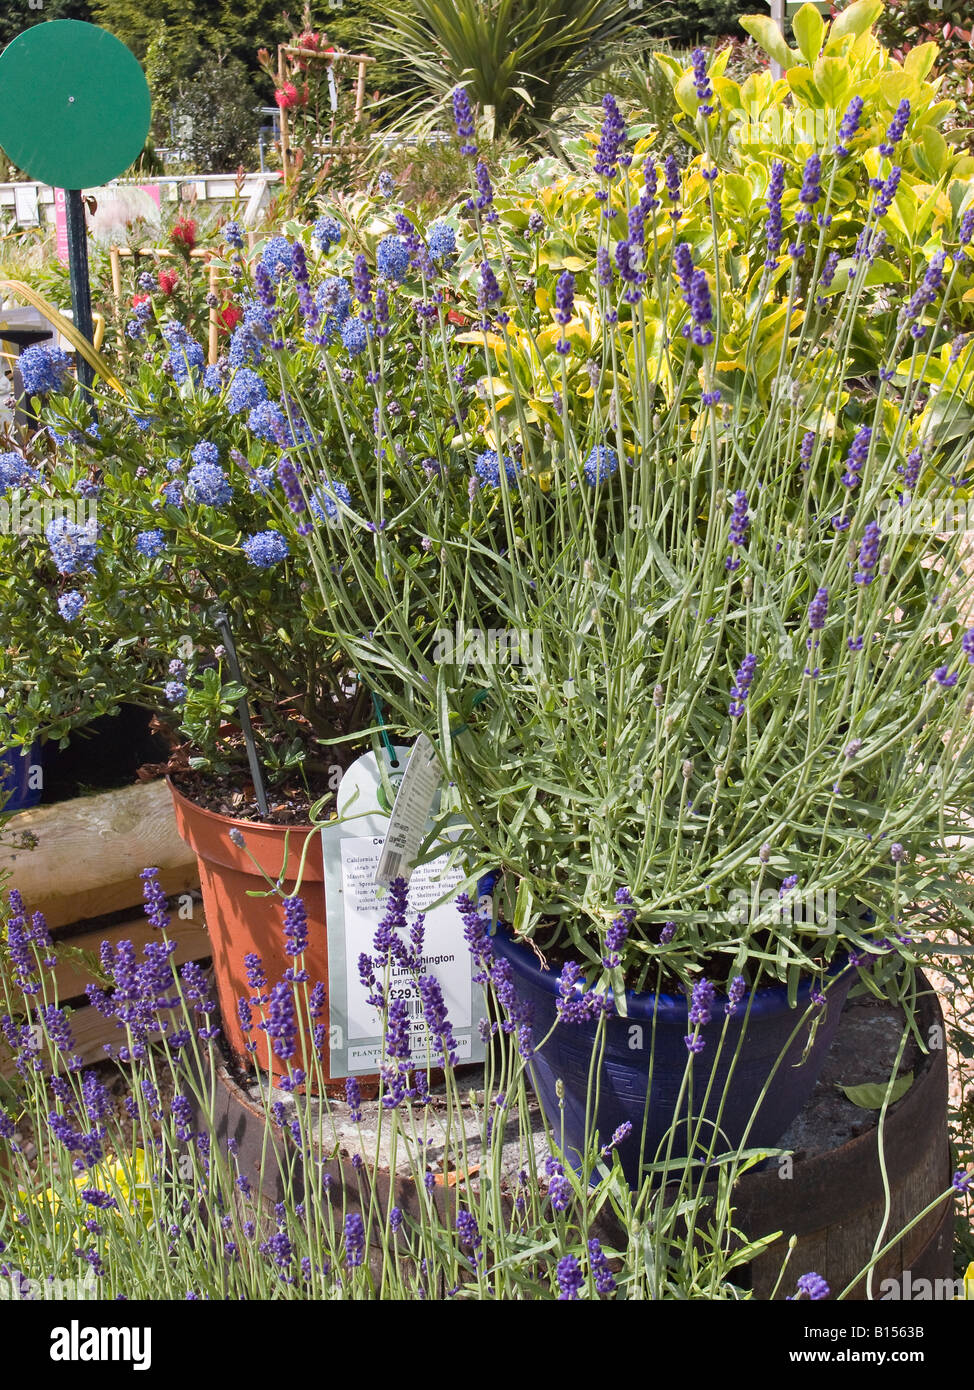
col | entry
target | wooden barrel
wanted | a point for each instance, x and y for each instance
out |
(833, 1200)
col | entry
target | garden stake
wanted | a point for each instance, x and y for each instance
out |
(243, 712)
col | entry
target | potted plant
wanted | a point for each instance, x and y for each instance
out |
(196, 577)
(697, 667)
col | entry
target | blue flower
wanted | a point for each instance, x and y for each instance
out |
(326, 233)
(245, 346)
(277, 257)
(175, 692)
(213, 378)
(13, 470)
(70, 605)
(488, 468)
(209, 484)
(334, 298)
(233, 236)
(268, 422)
(354, 336)
(442, 240)
(73, 547)
(43, 369)
(261, 481)
(173, 494)
(265, 549)
(601, 463)
(323, 502)
(391, 258)
(246, 391)
(205, 452)
(150, 543)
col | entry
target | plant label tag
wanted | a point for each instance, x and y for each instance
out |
(410, 814)
(353, 847)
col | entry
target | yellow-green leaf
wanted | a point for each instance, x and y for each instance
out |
(768, 36)
(871, 1095)
(833, 79)
(921, 59)
(802, 83)
(857, 19)
(809, 28)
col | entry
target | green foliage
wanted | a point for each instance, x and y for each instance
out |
(519, 61)
(216, 118)
(907, 24)
(18, 15)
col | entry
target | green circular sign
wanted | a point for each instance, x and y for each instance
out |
(74, 104)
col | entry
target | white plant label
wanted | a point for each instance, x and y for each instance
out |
(354, 847)
(410, 813)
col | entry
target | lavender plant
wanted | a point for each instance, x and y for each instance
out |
(137, 1190)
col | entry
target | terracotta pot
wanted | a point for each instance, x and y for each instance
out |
(239, 925)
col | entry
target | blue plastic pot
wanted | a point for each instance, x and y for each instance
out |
(16, 793)
(645, 1055)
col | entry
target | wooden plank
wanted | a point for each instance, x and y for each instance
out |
(90, 1032)
(91, 850)
(72, 976)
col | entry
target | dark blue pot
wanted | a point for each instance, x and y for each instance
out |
(16, 793)
(645, 1055)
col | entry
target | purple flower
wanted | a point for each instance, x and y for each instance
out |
(463, 120)
(295, 927)
(818, 610)
(611, 139)
(811, 189)
(696, 292)
(926, 293)
(599, 1266)
(735, 994)
(570, 1278)
(739, 527)
(354, 1240)
(578, 1007)
(671, 173)
(848, 126)
(154, 898)
(813, 1286)
(963, 1182)
(868, 554)
(702, 81)
(887, 192)
(967, 645)
(742, 685)
(897, 126)
(944, 677)
(856, 457)
(773, 227)
(280, 1025)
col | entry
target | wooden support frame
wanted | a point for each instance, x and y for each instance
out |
(288, 50)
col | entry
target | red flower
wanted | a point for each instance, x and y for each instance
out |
(286, 96)
(184, 233)
(168, 280)
(230, 317)
(138, 299)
